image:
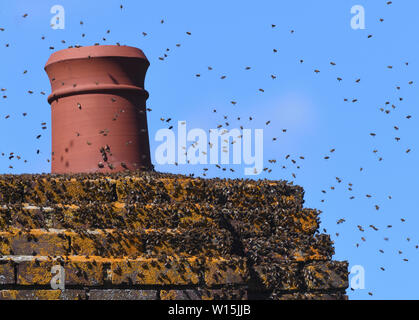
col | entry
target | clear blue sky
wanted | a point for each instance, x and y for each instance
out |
(229, 36)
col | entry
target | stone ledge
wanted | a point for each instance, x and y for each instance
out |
(249, 222)
(146, 188)
(42, 295)
(152, 294)
(99, 271)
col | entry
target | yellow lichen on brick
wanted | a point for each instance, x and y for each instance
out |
(85, 245)
(168, 295)
(311, 255)
(78, 270)
(282, 276)
(153, 271)
(326, 275)
(306, 221)
(187, 238)
(47, 294)
(34, 272)
(36, 294)
(9, 294)
(86, 272)
(4, 246)
(222, 271)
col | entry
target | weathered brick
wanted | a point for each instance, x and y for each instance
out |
(326, 275)
(309, 296)
(87, 272)
(34, 272)
(35, 242)
(152, 229)
(222, 271)
(280, 276)
(7, 273)
(104, 243)
(204, 294)
(138, 216)
(284, 247)
(156, 272)
(183, 189)
(42, 295)
(187, 242)
(78, 271)
(185, 294)
(224, 294)
(67, 190)
(122, 294)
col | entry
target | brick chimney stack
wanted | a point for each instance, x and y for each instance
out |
(98, 109)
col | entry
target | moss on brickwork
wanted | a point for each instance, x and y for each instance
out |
(162, 236)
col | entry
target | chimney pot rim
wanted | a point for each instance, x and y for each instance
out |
(96, 52)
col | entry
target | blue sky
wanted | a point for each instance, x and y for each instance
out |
(230, 36)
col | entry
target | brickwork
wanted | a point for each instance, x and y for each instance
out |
(140, 236)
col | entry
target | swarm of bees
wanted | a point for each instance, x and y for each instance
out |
(236, 218)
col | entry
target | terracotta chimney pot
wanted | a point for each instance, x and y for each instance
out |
(98, 109)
